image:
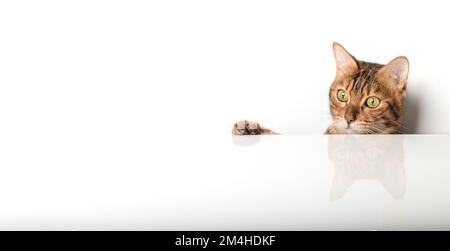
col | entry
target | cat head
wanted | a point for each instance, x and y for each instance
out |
(368, 98)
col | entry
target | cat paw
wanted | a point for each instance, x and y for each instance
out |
(245, 127)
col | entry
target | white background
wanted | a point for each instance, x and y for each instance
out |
(115, 110)
(89, 67)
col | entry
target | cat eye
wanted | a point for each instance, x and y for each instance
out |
(373, 102)
(342, 95)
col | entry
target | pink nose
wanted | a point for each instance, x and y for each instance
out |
(349, 121)
(350, 115)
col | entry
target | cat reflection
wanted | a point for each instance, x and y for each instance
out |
(374, 157)
(246, 141)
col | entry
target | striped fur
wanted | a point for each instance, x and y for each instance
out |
(362, 80)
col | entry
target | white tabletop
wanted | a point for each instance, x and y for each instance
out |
(291, 182)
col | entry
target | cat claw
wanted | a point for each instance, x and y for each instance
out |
(245, 127)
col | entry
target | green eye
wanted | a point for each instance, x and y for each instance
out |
(373, 102)
(342, 95)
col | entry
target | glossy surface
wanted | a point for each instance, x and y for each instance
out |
(224, 183)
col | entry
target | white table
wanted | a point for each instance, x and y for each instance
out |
(291, 182)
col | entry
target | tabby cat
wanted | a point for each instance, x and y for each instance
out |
(365, 98)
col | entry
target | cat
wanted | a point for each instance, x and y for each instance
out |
(364, 98)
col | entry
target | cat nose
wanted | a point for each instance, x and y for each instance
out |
(349, 121)
(350, 116)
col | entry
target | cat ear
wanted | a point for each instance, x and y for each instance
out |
(346, 64)
(396, 71)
